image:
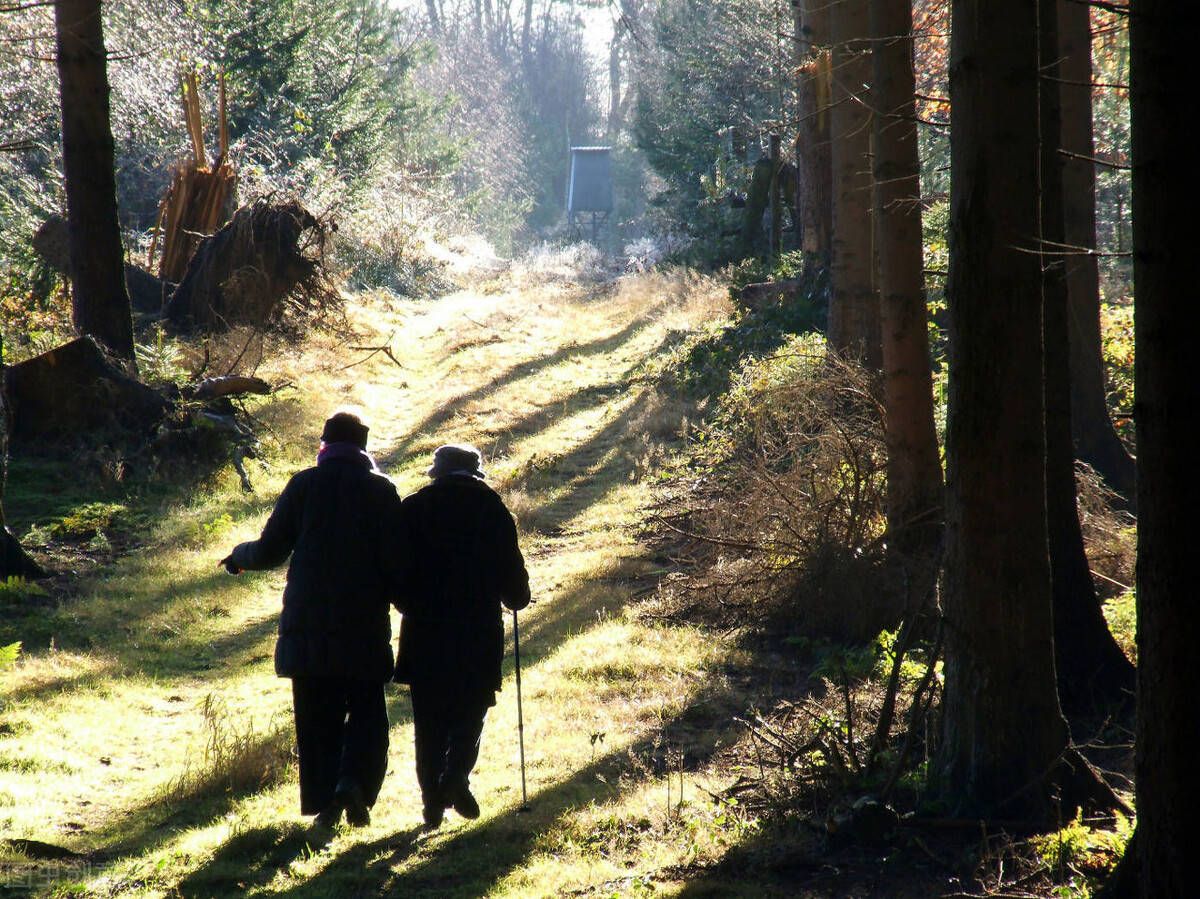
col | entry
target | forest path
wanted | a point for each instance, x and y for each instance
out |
(545, 376)
(113, 752)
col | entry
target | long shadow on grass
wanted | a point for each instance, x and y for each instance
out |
(472, 860)
(601, 462)
(251, 859)
(158, 655)
(584, 475)
(56, 686)
(448, 410)
(82, 617)
(255, 857)
(775, 864)
(143, 828)
(584, 483)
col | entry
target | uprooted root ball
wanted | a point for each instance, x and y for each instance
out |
(266, 262)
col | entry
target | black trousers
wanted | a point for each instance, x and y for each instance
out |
(447, 734)
(341, 736)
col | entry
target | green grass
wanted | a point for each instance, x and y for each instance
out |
(1121, 614)
(1080, 857)
(142, 725)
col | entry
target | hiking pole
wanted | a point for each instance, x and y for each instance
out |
(520, 717)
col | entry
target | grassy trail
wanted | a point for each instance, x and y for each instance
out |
(122, 737)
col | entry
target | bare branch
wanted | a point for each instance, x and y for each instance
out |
(1095, 159)
(386, 349)
(21, 7)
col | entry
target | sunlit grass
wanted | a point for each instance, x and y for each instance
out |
(108, 744)
(1121, 614)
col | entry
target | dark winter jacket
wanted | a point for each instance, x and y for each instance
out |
(339, 521)
(465, 563)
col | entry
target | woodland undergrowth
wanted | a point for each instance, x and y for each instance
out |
(773, 520)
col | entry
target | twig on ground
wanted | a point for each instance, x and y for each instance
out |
(385, 348)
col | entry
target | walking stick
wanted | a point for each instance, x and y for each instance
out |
(520, 717)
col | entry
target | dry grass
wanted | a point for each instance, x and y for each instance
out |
(1110, 538)
(236, 758)
(778, 517)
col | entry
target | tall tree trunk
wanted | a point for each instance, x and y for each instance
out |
(814, 188)
(914, 470)
(853, 302)
(490, 27)
(614, 72)
(1165, 321)
(1092, 670)
(526, 33)
(99, 297)
(1096, 440)
(1004, 728)
(14, 561)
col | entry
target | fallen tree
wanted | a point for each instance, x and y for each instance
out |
(267, 260)
(147, 294)
(73, 392)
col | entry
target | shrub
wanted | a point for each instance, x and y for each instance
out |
(1116, 328)
(8, 655)
(779, 507)
(16, 590)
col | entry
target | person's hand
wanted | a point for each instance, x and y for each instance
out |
(229, 565)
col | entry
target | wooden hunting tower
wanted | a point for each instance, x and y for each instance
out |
(589, 189)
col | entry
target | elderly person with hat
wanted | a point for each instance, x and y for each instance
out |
(339, 521)
(465, 563)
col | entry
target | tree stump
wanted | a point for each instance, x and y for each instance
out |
(14, 561)
(73, 391)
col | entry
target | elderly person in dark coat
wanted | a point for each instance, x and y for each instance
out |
(340, 523)
(466, 562)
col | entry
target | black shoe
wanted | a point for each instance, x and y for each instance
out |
(330, 816)
(457, 795)
(433, 816)
(351, 798)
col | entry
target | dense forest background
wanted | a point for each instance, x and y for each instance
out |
(428, 116)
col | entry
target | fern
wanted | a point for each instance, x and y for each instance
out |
(8, 654)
